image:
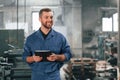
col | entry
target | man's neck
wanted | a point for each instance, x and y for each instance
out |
(45, 30)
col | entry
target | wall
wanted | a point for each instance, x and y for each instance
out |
(91, 24)
(72, 11)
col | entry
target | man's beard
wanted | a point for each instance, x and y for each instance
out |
(47, 26)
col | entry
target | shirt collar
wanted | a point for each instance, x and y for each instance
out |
(51, 34)
(44, 35)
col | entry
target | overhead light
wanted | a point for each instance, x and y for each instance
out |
(44, 6)
(108, 8)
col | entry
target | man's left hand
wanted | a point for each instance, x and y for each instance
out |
(52, 57)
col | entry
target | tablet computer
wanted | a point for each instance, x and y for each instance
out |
(43, 53)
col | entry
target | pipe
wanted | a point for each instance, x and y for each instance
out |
(118, 32)
(17, 19)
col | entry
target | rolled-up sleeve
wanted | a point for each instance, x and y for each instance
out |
(66, 50)
(26, 52)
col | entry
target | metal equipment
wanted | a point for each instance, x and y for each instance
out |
(105, 70)
(83, 68)
(13, 67)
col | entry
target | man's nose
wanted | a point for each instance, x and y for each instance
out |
(50, 19)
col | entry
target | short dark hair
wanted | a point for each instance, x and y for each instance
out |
(44, 10)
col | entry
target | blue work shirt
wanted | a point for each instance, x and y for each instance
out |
(56, 43)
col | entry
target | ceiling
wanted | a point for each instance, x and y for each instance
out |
(4, 3)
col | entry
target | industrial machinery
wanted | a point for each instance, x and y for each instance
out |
(11, 39)
(105, 70)
(4, 68)
(18, 70)
(83, 68)
(12, 66)
(91, 69)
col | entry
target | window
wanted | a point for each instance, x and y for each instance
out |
(35, 21)
(107, 24)
(110, 24)
(115, 22)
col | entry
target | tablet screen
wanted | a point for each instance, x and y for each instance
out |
(43, 53)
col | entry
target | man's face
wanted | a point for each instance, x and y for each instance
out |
(46, 19)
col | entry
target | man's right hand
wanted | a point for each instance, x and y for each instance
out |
(37, 58)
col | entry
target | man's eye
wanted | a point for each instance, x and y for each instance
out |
(51, 17)
(46, 17)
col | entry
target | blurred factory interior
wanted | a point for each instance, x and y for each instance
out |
(90, 26)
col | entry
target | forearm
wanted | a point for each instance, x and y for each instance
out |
(60, 57)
